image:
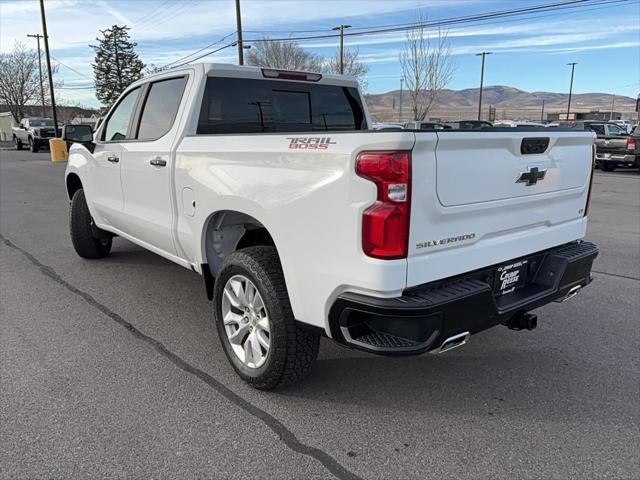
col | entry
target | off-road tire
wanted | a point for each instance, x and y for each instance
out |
(293, 350)
(86, 244)
(33, 146)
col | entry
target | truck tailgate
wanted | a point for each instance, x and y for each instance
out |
(611, 144)
(481, 198)
(475, 167)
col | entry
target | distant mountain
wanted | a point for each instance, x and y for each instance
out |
(509, 102)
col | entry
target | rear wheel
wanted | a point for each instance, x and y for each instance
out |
(18, 143)
(83, 231)
(608, 167)
(255, 323)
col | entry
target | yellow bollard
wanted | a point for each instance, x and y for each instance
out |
(58, 148)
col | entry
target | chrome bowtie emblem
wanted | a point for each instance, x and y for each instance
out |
(532, 176)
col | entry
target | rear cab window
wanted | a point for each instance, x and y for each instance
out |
(242, 105)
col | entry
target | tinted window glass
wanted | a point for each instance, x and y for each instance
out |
(616, 130)
(599, 129)
(236, 105)
(118, 123)
(160, 108)
(40, 123)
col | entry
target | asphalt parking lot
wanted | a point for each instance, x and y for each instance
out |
(112, 368)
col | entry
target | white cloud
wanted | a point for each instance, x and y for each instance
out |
(113, 12)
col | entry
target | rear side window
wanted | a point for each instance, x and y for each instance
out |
(239, 105)
(119, 121)
(599, 129)
(160, 108)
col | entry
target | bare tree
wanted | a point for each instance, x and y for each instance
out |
(427, 67)
(353, 66)
(19, 79)
(284, 54)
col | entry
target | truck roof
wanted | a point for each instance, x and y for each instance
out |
(245, 71)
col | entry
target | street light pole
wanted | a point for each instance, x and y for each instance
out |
(542, 113)
(342, 29)
(573, 67)
(481, 54)
(400, 116)
(48, 58)
(37, 36)
(239, 32)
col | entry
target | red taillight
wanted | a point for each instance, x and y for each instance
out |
(385, 224)
(593, 169)
(631, 144)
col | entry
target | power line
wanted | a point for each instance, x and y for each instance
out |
(556, 6)
(455, 20)
(150, 17)
(562, 5)
(71, 68)
(200, 50)
(169, 15)
(232, 44)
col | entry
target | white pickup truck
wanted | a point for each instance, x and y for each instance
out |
(306, 223)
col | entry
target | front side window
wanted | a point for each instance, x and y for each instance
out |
(160, 108)
(241, 105)
(118, 123)
(599, 129)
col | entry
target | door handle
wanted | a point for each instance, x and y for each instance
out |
(158, 162)
(113, 159)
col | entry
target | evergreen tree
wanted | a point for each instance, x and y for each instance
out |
(116, 64)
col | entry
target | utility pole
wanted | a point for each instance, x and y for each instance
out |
(573, 67)
(341, 28)
(48, 58)
(401, 81)
(613, 103)
(239, 32)
(37, 36)
(481, 54)
(542, 113)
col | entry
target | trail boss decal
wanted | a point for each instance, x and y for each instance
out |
(445, 241)
(310, 143)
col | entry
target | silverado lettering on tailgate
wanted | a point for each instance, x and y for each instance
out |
(445, 241)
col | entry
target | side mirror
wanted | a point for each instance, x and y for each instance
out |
(77, 133)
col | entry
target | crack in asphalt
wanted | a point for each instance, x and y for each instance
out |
(286, 435)
(617, 275)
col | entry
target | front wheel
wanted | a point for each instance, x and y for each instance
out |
(255, 323)
(83, 231)
(608, 167)
(33, 146)
(18, 143)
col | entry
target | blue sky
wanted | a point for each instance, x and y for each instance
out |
(529, 52)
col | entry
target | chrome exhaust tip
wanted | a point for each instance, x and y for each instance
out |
(452, 342)
(570, 294)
